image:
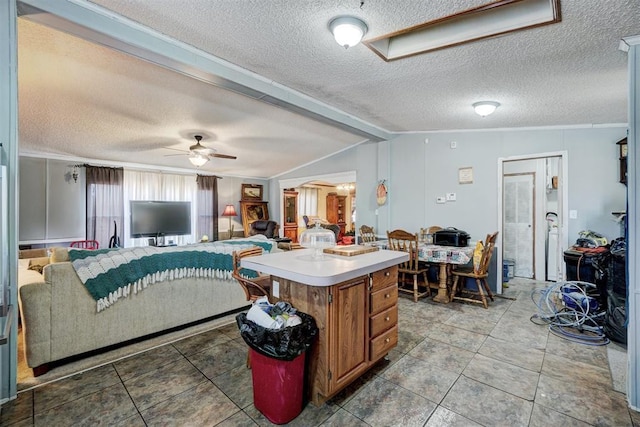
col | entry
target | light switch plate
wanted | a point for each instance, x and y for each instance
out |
(441, 199)
(573, 214)
(453, 144)
(275, 289)
(451, 197)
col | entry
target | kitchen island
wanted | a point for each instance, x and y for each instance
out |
(354, 301)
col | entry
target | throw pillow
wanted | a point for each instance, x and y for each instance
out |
(36, 267)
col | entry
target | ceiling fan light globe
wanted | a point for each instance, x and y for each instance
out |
(198, 160)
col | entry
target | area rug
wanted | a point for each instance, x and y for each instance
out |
(26, 380)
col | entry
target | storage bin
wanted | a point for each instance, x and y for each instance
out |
(508, 269)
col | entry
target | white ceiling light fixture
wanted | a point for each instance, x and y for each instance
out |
(347, 30)
(484, 108)
(198, 160)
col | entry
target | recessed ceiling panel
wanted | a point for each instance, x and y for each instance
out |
(474, 24)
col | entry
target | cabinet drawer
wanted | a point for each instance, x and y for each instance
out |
(383, 343)
(384, 298)
(383, 321)
(384, 278)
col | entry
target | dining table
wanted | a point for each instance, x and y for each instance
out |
(445, 257)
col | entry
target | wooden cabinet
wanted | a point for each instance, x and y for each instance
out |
(358, 325)
(336, 210)
(290, 215)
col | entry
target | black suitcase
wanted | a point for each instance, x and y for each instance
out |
(587, 266)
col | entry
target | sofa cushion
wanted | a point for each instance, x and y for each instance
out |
(59, 255)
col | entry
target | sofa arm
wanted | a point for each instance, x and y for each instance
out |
(34, 299)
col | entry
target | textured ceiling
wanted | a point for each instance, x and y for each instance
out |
(80, 99)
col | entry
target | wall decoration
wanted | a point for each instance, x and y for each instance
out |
(252, 211)
(465, 175)
(381, 193)
(251, 192)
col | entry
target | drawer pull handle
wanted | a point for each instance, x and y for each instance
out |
(386, 319)
(387, 340)
(387, 295)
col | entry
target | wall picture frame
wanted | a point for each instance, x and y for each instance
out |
(252, 211)
(251, 192)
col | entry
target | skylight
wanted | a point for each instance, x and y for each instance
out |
(490, 20)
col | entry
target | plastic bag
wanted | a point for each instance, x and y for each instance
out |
(283, 344)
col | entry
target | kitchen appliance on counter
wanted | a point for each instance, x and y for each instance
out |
(451, 236)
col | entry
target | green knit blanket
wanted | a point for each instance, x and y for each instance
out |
(111, 274)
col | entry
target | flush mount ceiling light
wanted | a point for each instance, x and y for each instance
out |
(347, 30)
(484, 108)
(198, 160)
(489, 20)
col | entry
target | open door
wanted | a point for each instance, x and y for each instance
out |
(530, 187)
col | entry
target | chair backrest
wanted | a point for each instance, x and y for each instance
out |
(85, 244)
(400, 240)
(264, 226)
(487, 252)
(367, 234)
(252, 290)
(333, 227)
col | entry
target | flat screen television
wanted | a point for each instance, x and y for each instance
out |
(152, 218)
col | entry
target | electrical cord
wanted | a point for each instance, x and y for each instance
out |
(570, 312)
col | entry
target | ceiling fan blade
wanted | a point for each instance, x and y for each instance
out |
(223, 156)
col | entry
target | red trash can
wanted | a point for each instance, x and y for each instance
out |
(278, 386)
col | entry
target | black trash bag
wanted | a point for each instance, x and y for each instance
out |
(282, 344)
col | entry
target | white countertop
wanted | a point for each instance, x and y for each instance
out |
(298, 265)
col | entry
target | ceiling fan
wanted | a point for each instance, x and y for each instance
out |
(199, 154)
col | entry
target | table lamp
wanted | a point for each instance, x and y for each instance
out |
(230, 211)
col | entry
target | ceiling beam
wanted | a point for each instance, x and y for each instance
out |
(96, 24)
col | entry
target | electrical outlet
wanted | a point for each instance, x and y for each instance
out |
(453, 144)
(451, 197)
(441, 199)
(275, 289)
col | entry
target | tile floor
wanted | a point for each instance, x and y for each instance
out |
(455, 365)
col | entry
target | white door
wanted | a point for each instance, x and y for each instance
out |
(518, 228)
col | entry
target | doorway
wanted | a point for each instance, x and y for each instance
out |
(532, 214)
(330, 180)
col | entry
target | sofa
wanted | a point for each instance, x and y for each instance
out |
(60, 317)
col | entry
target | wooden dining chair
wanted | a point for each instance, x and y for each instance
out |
(255, 287)
(85, 244)
(478, 274)
(400, 240)
(367, 234)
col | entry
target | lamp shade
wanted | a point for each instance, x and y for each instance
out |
(484, 108)
(347, 30)
(229, 210)
(198, 160)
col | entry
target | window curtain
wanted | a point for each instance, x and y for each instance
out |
(308, 201)
(207, 206)
(143, 185)
(105, 204)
